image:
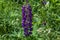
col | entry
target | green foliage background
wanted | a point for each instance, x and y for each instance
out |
(11, 16)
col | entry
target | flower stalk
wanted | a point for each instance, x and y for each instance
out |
(27, 19)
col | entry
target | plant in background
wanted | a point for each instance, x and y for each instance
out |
(43, 2)
(27, 19)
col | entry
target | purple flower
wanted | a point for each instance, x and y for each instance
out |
(26, 30)
(27, 19)
(26, 34)
(30, 32)
(30, 29)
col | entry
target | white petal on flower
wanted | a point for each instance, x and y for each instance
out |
(47, 4)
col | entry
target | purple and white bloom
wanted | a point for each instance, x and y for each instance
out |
(27, 19)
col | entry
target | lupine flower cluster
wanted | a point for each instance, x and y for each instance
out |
(27, 19)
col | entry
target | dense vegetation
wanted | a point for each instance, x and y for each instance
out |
(46, 20)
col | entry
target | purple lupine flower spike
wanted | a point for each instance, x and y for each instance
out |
(27, 19)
